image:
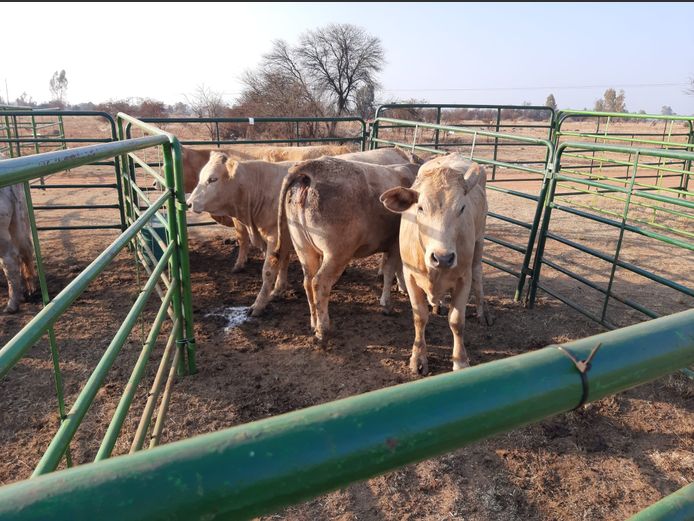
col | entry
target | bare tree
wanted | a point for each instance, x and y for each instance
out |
(206, 103)
(551, 102)
(666, 110)
(690, 89)
(323, 74)
(58, 86)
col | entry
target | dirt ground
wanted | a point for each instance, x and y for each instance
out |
(605, 462)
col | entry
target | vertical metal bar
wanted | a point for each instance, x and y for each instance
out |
(296, 125)
(45, 298)
(37, 148)
(216, 126)
(436, 132)
(525, 268)
(8, 131)
(62, 131)
(18, 145)
(374, 134)
(180, 265)
(496, 140)
(625, 215)
(537, 264)
(165, 397)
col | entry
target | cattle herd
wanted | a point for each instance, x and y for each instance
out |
(426, 218)
(328, 205)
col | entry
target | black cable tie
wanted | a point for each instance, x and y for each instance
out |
(583, 366)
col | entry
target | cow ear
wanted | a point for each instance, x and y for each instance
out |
(399, 199)
(473, 176)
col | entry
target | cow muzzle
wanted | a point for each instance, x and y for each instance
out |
(442, 260)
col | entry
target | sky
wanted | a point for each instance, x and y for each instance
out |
(495, 53)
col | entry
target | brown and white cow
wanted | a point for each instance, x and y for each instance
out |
(441, 242)
(16, 248)
(332, 211)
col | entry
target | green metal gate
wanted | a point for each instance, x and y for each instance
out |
(169, 278)
(515, 179)
(23, 143)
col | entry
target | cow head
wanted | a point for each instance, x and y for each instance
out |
(208, 195)
(437, 204)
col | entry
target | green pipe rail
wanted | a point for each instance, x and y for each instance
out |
(500, 118)
(15, 140)
(263, 466)
(675, 507)
(535, 176)
(669, 138)
(171, 269)
(295, 122)
(673, 205)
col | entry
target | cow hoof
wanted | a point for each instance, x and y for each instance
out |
(238, 268)
(11, 309)
(419, 366)
(254, 311)
(402, 290)
(457, 366)
(387, 310)
(487, 320)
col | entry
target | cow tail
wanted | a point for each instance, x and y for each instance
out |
(282, 227)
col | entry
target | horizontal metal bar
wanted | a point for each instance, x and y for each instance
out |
(258, 468)
(64, 186)
(75, 206)
(433, 126)
(511, 220)
(53, 140)
(590, 284)
(22, 169)
(506, 244)
(626, 139)
(627, 226)
(573, 305)
(116, 226)
(678, 506)
(623, 264)
(501, 267)
(653, 152)
(255, 120)
(274, 141)
(54, 453)
(29, 334)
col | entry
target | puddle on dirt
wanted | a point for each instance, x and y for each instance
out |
(234, 315)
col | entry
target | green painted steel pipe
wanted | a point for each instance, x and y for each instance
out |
(675, 507)
(50, 459)
(20, 169)
(266, 465)
(116, 424)
(29, 334)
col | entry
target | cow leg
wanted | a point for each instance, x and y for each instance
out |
(483, 314)
(390, 267)
(270, 269)
(456, 321)
(244, 241)
(330, 271)
(420, 314)
(310, 262)
(281, 282)
(384, 259)
(9, 259)
(401, 278)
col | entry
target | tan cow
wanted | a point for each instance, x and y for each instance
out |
(441, 242)
(332, 210)
(247, 191)
(195, 159)
(193, 162)
(16, 248)
(277, 154)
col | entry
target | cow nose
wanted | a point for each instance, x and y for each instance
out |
(445, 260)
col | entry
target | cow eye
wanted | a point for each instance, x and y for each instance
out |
(420, 209)
(211, 180)
(461, 210)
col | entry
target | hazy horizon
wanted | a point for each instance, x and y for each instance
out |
(501, 53)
